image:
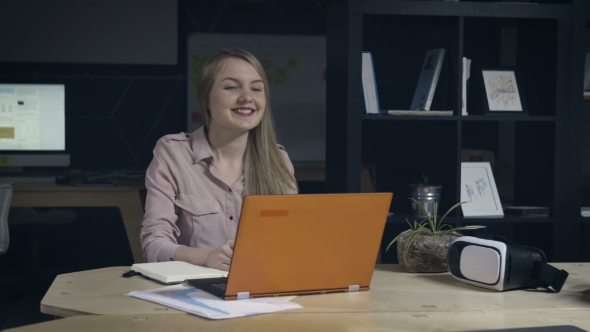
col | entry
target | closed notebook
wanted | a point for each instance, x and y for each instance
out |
(175, 272)
(428, 79)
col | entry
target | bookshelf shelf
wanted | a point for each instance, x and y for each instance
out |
(465, 9)
(401, 219)
(482, 118)
(545, 41)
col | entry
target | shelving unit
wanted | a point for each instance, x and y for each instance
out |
(548, 50)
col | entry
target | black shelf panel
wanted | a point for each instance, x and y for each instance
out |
(508, 118)
(466, 9)
(409, 117)
(401, 219)
(505, 219)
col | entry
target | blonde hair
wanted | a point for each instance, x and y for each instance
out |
(265, 170)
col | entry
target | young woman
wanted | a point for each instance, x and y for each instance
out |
(196, 182)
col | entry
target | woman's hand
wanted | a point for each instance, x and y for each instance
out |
(220, 258)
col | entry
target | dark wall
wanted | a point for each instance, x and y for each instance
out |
(116, 113)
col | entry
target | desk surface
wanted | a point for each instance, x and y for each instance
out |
(404, 301)
(392, 290)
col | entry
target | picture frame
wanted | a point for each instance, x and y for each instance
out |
(478, 189)
(502, 91)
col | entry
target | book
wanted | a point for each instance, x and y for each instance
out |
(175, 272)
(466, 75)
(369, 84)
(421, 113)
(428, 79)
(528, 211)
(587, 74)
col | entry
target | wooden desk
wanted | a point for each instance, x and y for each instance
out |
(126, 198)
(321, 322)
(396, 299)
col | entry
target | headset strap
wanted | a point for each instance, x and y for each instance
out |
(549, 276)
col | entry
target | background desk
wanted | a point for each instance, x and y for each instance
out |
(126, 198)
(396, 299)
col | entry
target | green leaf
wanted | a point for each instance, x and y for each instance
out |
(457, 229)
(451, 209)
(397, 237)
(435, 212)
(435, 227)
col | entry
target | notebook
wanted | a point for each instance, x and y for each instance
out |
(302, 245)
(175, 272)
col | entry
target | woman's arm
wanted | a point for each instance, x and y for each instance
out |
(219, 258)
(158, 229)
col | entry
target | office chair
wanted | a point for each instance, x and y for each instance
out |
(5, 197)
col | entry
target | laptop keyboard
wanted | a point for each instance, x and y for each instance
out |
(220, 286)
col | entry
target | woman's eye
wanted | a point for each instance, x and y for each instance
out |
(230, 87)
(256, 89)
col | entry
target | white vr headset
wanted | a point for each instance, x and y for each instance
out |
(501, 266)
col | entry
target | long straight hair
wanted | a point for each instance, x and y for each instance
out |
(265, 170)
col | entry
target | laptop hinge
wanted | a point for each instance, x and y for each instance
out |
(354, 288)
(243, 295)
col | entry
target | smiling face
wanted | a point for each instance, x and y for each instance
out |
(237, 100)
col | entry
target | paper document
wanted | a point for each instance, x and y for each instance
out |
(203, 304)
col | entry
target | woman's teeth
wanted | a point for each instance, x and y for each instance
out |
(242, 111)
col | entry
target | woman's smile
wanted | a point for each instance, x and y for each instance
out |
(244, 111)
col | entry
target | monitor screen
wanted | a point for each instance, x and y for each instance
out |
(32, 124)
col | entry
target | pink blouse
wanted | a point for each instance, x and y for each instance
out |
(188, 201)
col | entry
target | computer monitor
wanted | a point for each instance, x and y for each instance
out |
(32, 126)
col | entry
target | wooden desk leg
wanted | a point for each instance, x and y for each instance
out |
(132, 214)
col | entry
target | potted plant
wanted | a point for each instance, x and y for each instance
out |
(423, 247)
(426, 194)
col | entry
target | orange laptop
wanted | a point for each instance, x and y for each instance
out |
(302, 245)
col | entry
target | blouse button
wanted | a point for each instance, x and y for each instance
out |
(231, 217)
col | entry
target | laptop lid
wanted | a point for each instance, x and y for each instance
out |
(306, 244)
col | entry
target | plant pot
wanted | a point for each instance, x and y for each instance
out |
(427, 253)
(427, 196)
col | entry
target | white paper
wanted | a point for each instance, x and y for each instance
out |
(198, 302)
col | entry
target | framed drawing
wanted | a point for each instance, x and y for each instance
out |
(478, 189)
(502, 91)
